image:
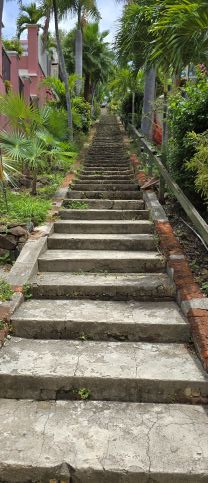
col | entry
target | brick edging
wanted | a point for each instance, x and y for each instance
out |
(190, 298)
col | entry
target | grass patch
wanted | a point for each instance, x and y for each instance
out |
(24, 208)
(5, 291)
(76, 205)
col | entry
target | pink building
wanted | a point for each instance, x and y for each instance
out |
(24, 73)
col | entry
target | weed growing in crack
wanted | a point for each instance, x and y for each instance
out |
(84, 393)
(5, 291)
(27, 291)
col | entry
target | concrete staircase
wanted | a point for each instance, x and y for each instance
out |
(100, 383)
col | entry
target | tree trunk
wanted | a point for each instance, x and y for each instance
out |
(133, 109)
(87, 87)
(64, 71)
(34, 184)
(78, 61)
(1, 14)
(148, 103)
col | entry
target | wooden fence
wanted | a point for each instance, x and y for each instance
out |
(153, 159)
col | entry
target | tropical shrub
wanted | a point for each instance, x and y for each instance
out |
(126, 108)
(187, 112)
(199, 162)
(83, 109)
(13, 44)
(33, 143)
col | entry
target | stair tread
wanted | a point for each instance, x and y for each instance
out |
(150, 313)
(104, 222)
(103, 236)
(129, 442)
(96, 359)
(99, 255)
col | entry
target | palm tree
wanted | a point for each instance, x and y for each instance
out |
(29, 14)
(53, 7)
(132, 41)
(80, 8)
(127, 80)
(180, 33)
(97, 58)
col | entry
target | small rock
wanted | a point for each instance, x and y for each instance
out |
(3, 229)
(7, 242)
(23, 239)
(18, 231)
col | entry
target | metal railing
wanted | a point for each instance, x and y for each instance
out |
(153, 159)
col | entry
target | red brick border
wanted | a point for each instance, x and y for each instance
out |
(187, 288)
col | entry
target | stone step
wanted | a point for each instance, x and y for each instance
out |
(101, 441)
(78, 186)
(101, 261)
(120, 286)
(105, 181)
(70, 214)
(101, 320)
(59, 241)
(110, 205)
(106, 164)
(112, 371)
(99, 178)
(104, 226)
(108, 195)
(107, 171)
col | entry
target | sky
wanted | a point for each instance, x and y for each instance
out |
(109, 9)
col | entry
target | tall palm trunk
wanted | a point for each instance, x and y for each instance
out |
(148, 104)
(64, 71)
(79, 55)
(1, 14)
(133, 109)
(87, 87)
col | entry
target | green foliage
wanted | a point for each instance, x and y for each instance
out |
(187, 112)
(126, 108)
(199, 162)
(38, 139)
(13, 44)
(6, 258)
(27, 291)
(76, 205)
(24, 208)
(5, 291)
(29, 14)
(83, 109)
(84, 393)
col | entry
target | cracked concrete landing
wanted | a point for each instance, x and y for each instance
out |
(103, 442)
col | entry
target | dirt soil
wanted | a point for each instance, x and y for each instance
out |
(192, 246)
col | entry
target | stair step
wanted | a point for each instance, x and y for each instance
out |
(102, 214)
(105, 204)
(104, 226)
(101, 320)
(104, 187)
(101, 261)
(100, 242)
(107, 171)
(105, 181)
(100, 178)
(120, 286)
(113, 371)
(102, 441)
(108, 195)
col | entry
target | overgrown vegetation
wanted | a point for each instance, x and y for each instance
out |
(187, 150)
(5, 291)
